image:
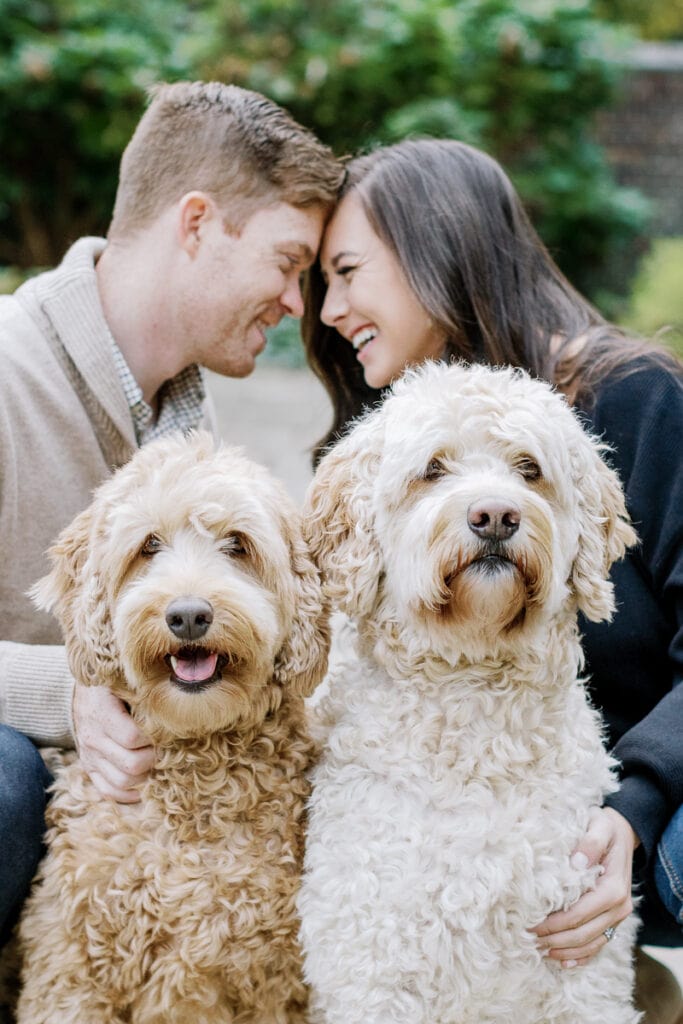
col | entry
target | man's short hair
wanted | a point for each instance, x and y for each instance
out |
(236, 145)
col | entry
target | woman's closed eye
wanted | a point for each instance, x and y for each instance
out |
(345, 270)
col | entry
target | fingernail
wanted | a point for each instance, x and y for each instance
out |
(570, 963)
(579, 861)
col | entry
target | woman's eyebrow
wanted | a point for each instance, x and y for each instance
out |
(340, 256)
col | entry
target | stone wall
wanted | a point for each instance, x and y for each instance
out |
(643, 131)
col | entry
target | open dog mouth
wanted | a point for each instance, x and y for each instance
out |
(195, 668)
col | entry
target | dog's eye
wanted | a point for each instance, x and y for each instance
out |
(529, 469)
(236, 545)
(434, 470)
(151, 546)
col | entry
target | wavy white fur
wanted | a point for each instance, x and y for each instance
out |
(461, 753)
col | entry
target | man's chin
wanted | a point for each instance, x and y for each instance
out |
(241, 362)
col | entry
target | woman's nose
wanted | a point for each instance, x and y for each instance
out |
(334, 306)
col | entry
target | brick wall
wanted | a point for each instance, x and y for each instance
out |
(643, 132)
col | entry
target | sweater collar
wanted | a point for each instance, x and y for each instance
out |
(70, 298)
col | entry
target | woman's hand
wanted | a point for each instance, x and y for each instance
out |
(114, 752)
(574, 936)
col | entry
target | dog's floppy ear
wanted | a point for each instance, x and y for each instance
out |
(75, 592)
(302, 661)
(338, 520)
(604, 531)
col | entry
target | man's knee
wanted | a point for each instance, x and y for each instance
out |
(23, 778)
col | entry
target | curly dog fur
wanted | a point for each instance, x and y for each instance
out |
(459, 527)
(187, 588)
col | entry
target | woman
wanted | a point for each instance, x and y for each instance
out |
(430, 255)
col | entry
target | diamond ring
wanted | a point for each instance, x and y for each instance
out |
(609, 933)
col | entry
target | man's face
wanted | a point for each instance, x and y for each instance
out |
(241, 283)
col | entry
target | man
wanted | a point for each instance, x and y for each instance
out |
(220, 207)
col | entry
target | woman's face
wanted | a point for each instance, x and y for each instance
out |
(369, 301)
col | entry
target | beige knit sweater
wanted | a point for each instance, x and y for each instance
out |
(64, 425)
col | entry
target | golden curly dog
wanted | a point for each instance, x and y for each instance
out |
(186, 587)
(460, 527)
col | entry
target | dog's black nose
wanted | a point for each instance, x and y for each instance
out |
(188, 618)
(493, 519)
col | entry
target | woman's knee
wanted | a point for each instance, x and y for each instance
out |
(669, 867)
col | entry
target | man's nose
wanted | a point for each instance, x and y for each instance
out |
(292, 299)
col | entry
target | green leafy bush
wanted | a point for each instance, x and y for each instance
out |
(521, 78)
(73, 78)
(657, 298)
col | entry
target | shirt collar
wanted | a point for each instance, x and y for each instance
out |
(181, 401)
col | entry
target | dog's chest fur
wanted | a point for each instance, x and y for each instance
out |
(443, 816)
(202, 863)
(479, 773)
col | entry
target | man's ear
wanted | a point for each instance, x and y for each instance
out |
(195, 211)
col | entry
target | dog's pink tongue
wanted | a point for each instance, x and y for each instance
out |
(195, 669)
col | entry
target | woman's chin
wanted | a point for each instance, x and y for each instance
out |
(377, 377)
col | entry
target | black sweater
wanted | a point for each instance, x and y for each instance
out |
(636, 662)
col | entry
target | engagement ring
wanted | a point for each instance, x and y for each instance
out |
(609, 933)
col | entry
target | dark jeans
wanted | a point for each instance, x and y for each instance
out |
(669, 867)
(23, 781)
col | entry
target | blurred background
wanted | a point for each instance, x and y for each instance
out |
(581, 100)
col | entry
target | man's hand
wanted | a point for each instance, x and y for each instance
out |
(574, 936)
(113, 751)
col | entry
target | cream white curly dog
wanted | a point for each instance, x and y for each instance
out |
(460, 527)
(187, 587)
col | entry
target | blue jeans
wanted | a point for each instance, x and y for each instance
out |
(669, 867)
(23, 781)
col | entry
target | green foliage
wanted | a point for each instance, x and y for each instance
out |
(10, 279)
(73, 79)
(537, 72)
(657, 298)
(523, 79)
(284, 346)
(652, 19)
(339, 65)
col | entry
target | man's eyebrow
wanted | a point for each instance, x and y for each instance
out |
(303, 251)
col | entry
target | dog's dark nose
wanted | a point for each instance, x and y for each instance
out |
(492, 519)
(188, 618)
